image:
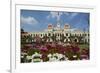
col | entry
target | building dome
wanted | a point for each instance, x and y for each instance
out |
(50, 26)
(66, 26)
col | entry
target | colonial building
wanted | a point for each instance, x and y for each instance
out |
(65, 34)
(57, 33)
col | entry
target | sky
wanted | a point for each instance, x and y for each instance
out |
(33, 20)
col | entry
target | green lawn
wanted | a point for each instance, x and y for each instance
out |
(84, 46)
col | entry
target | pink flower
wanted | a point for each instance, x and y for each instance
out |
(75, 49)
(43, 48)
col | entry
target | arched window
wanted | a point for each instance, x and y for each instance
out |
(66, 34)
(41, 35)
(49, 34)
(88, 34)
(58, 34)
(80, 34)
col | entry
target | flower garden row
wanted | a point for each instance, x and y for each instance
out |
(53, 52)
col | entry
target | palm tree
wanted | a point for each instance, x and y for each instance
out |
(23, 37)
(22, 30)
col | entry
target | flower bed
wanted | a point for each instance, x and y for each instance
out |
(53, 52)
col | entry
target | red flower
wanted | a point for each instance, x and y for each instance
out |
(75, 49)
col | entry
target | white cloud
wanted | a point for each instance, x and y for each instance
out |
(71, 15)
(28, 20)
(54, 15)
(48, 17)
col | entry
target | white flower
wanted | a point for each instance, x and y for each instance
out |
(74, 56)
(29, 57)
(37, 60)
(60, 56)
(52, 57)
(49, 55)
(36, 57)
(22, 56)
(57, 57)
(36, 54)
(66, 59)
